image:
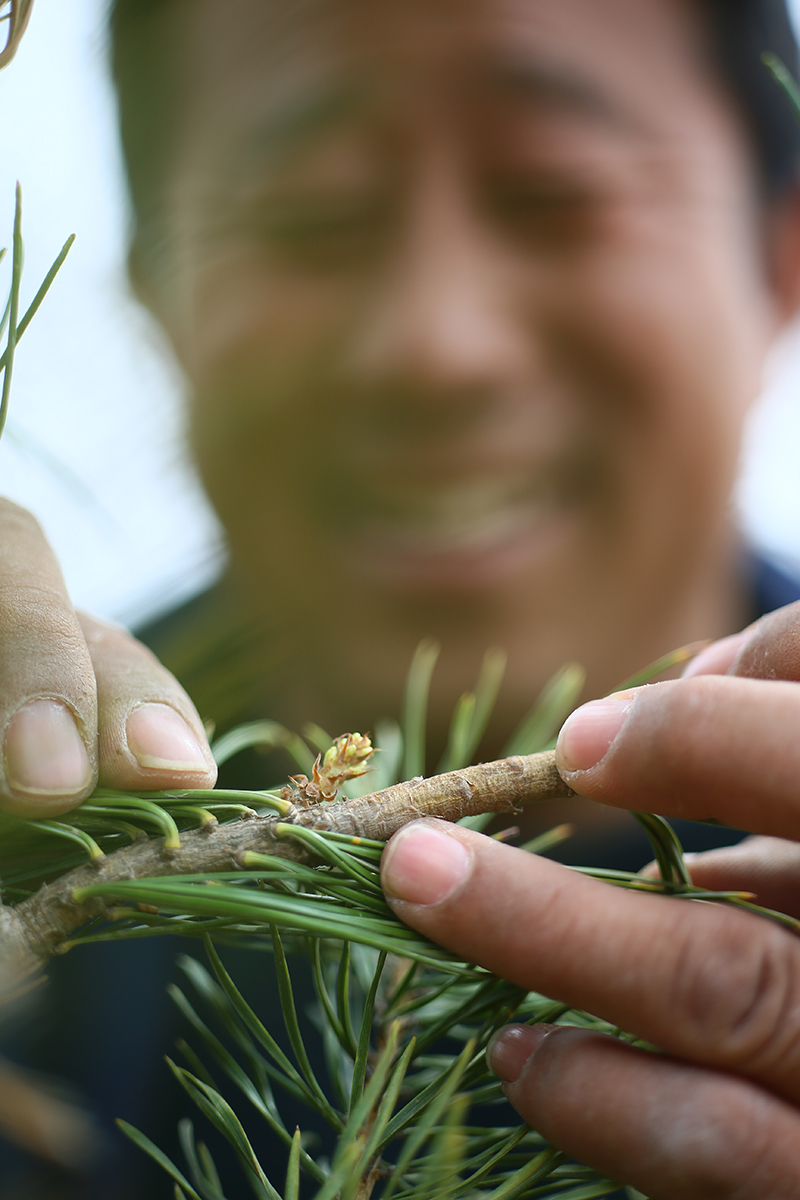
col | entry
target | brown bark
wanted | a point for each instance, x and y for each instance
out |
(33, 930)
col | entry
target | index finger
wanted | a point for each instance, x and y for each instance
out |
(48, 698)
(711, 747)
(704, 983)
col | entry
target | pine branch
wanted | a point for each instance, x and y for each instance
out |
(34, 929)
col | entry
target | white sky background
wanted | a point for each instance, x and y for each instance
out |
(94, 443)
(93, 387)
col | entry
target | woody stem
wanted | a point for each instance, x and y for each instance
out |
(34, 929)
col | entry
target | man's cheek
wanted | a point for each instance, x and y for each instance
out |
(247, 311)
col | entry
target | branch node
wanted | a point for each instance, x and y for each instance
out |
(467, 789)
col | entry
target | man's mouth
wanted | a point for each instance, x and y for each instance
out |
(460, 517)
(462, 535)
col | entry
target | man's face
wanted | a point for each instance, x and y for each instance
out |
(471, 299)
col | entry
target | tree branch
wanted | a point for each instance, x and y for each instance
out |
(33, 930)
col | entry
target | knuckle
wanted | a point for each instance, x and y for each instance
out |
(667, 728)
(42, 650)
(739, 989)
(36, 614)
(722, 1167)
(33, 603)
(773, 650)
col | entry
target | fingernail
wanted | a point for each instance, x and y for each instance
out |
(44, 752)
(586, 736)
(510, 1048)
(423, 864)
(160, 739)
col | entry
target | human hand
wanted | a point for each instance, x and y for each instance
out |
(715, 989)
(80, 701)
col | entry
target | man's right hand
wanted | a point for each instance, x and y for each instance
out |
(81, 702)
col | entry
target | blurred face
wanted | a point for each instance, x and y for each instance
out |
(471, 297)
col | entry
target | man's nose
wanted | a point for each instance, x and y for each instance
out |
(447, 311)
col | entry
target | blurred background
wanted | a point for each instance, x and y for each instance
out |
(94, 440)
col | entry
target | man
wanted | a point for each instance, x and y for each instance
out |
(473, 299)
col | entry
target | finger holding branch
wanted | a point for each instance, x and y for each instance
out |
(720, 744)
(48, 696)
(713, 747)
(706, 983)
(767, 868)
(81, 701)
(715, 988)
(672, 1130)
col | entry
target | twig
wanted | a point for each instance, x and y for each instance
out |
(33, 930)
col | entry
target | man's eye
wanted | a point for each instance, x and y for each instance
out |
(325, 233)
(546, 215)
